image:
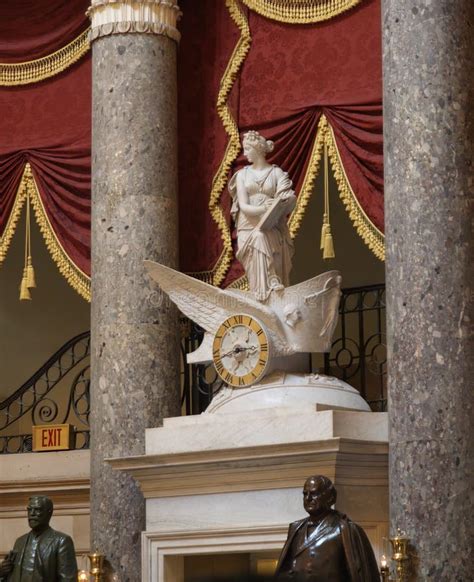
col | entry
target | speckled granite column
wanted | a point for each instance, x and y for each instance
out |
(429, 143)
(134, 333)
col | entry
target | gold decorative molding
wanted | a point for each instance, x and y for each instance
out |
(300, 11)
(134, 16)
(45, 67)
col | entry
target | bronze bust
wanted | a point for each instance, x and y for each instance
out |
(327, 545)
(43, 554)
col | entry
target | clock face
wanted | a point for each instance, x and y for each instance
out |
(241, 350)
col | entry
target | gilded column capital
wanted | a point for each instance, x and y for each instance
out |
(138, 16)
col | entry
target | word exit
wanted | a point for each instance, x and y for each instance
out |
(52, 437)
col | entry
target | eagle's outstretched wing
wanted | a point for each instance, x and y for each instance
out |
(209, 306)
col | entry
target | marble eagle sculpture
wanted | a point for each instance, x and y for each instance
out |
(299, 318)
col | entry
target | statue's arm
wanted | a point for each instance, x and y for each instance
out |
(66, 562)
(243, 198)
(282, 566)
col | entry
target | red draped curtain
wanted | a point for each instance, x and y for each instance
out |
(310, 88)
(45, 124)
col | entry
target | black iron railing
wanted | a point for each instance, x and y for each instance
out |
(60, 391)
(199, 382)
(359, 351)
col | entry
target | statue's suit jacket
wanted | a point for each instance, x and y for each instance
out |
(55, 559)
(360, 559)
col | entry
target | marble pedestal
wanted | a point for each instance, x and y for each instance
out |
(231, 482)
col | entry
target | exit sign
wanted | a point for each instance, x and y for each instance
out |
(52, 437)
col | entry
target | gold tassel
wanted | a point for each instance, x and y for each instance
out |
(324, 229)
(327, 243)
(328, 250)
(24, 291)
(28, 280)
(30, 274)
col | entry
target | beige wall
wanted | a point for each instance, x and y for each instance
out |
(31, 331)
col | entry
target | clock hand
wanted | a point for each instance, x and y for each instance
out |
(238, 350)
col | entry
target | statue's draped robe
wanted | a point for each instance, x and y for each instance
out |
(337, 550)
(47, 557)
(265, 254)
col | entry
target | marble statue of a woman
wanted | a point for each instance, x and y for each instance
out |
(265, 248)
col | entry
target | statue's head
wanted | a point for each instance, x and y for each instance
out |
(40, 510)
(255, 145)
(319, 494)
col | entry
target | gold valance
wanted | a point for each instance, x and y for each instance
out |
(52, 64)
(300, 11)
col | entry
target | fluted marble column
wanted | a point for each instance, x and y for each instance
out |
(134, 217)
(429, 144)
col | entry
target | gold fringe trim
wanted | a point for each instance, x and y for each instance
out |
(294, 221)
(15, 213)
(233, 145)
(370, 234)
(241, 283)
(78, 280)
(206, 276)
(300, 11)
(48, 66)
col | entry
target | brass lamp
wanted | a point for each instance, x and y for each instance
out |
(399, 556)
(97, 566)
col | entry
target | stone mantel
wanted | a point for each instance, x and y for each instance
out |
(257, 468)
(338, 448)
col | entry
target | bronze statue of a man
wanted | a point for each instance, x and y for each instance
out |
(327, 545)
(43, 554)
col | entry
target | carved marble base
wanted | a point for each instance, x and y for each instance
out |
(218, 484)
(289, 390)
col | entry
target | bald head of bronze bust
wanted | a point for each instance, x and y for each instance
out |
(327, 545)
